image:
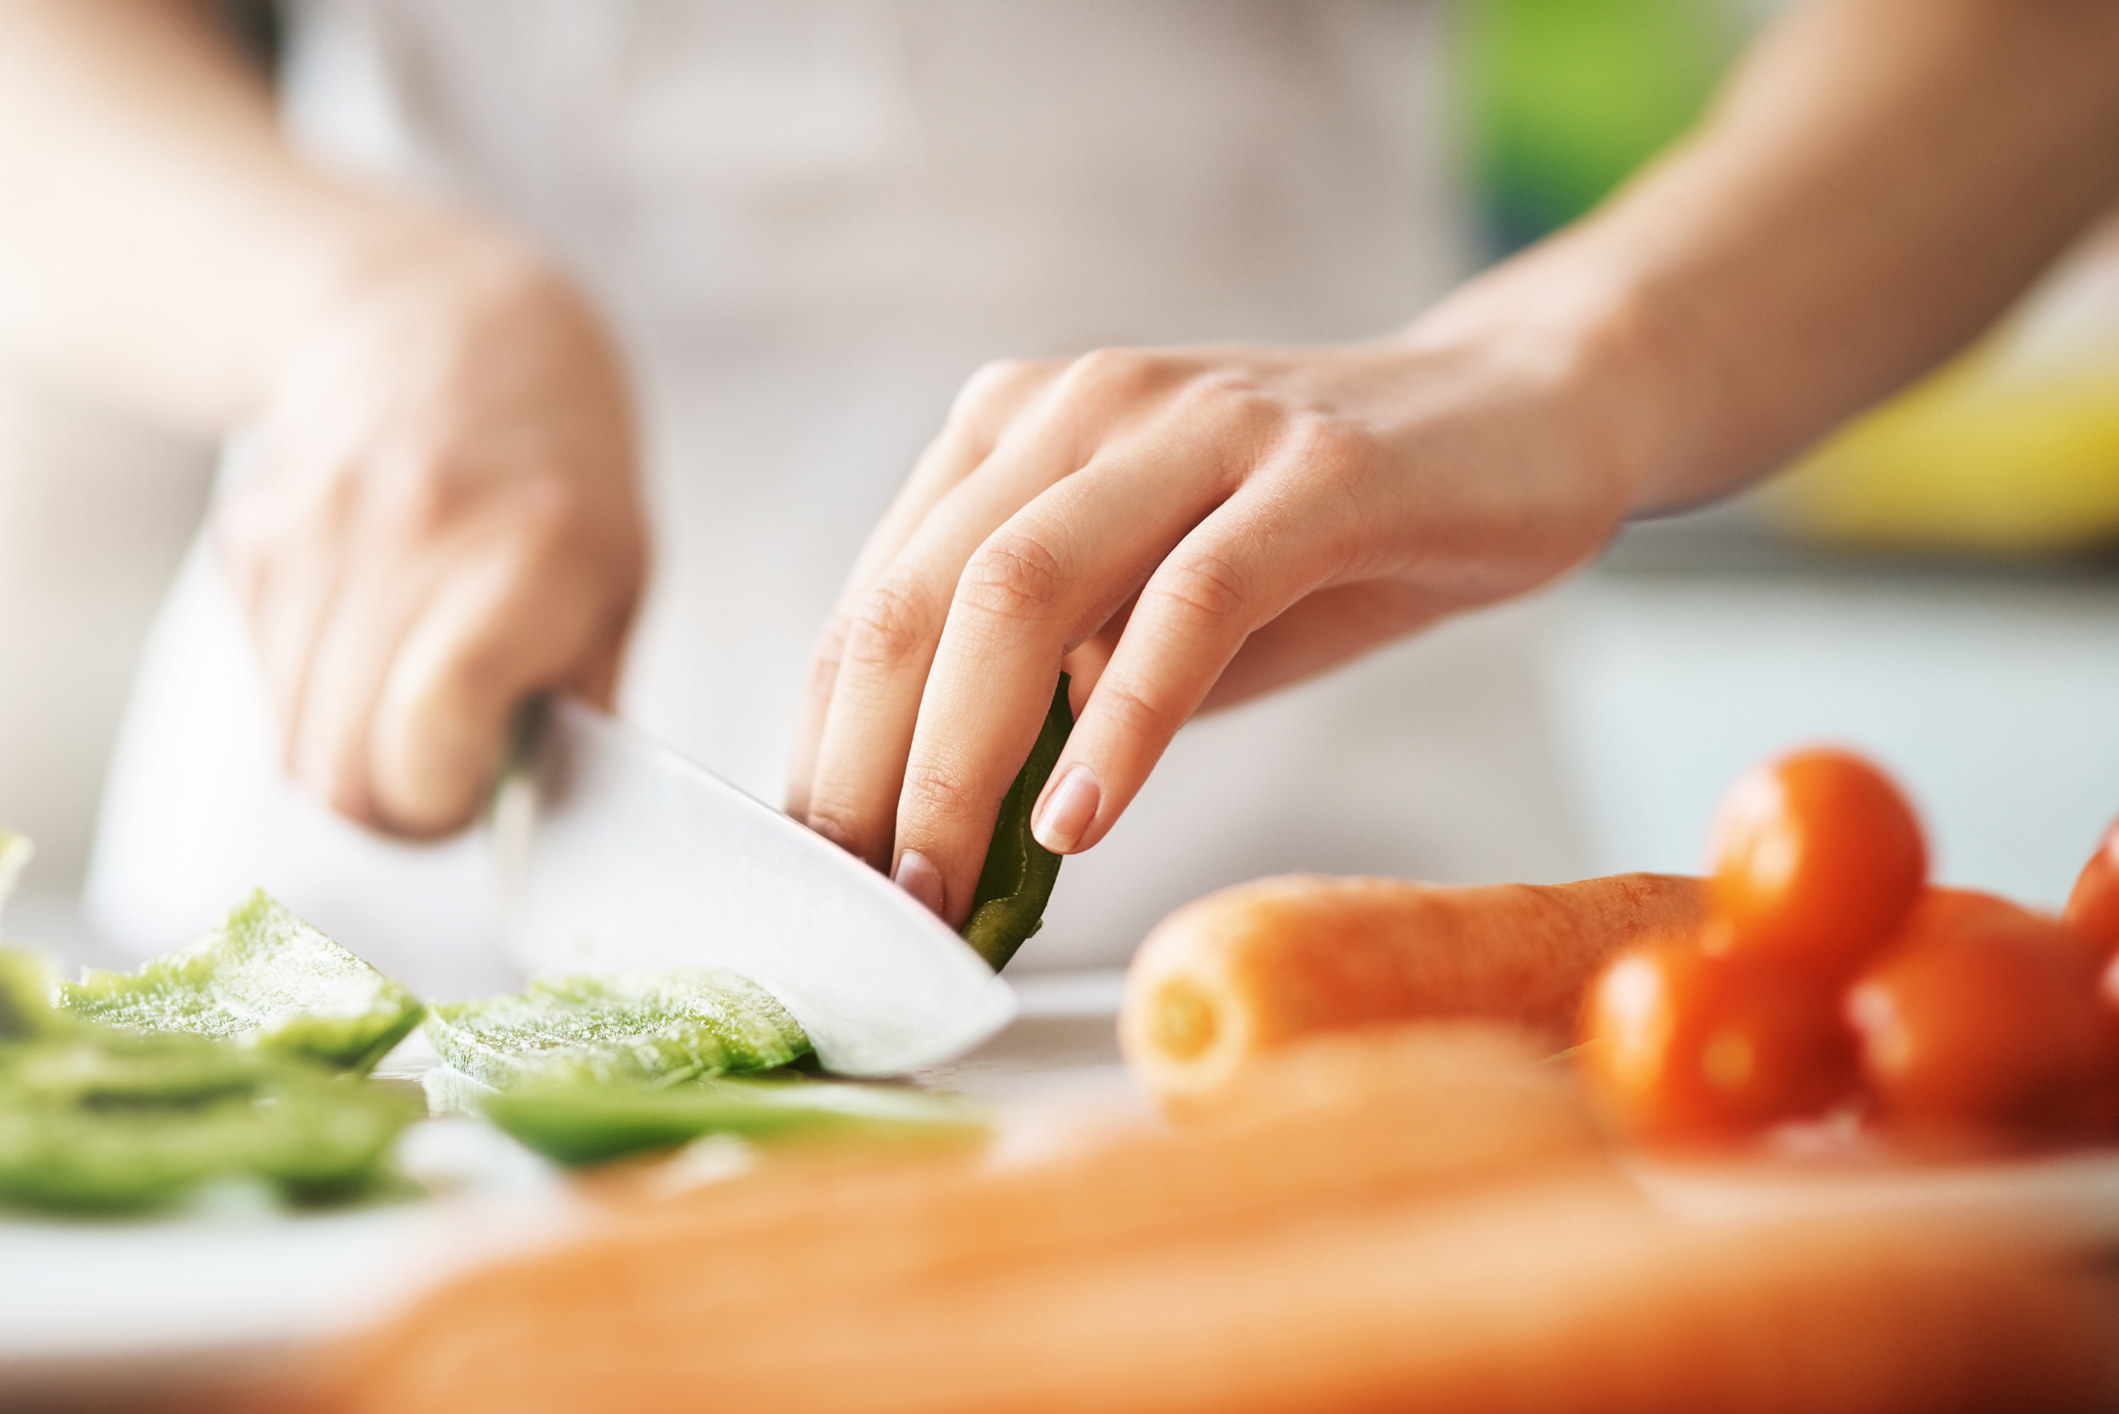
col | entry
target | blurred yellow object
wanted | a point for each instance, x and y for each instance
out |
(1973, 460)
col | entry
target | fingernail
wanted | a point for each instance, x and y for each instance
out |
(1067, 810)
(917, 876)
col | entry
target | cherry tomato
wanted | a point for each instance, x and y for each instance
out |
(1677, 1042)
(2093, 907)
(1939, 911)
(1814, 858)
(1982, 1019)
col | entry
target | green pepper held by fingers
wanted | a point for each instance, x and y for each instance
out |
(1016, 882)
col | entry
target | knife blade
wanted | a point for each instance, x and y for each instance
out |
(615, 853)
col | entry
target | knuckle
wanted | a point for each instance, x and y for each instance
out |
(475, 681)
(1204, 585)
(545, 514)
(412, 497)
(837, 823)
(1127, 709)
(536, 528)
(1015, 576)
(1113, 370)
(1231, 414)
(992, 382)
(891, 626)
(937, 791)
(1329, 447)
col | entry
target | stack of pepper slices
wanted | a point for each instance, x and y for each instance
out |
(1832, 980)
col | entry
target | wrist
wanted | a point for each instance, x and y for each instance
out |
(393, 262)
(1575, 326)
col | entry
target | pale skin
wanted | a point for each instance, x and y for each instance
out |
(1183, 529)
(440, 513)
(445, 516)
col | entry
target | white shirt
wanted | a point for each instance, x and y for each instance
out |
(810, 220)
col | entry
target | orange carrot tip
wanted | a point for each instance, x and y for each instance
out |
(1254, 968)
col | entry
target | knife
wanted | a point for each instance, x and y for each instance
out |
(614, 853)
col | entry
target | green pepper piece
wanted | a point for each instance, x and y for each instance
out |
(103, 1120)
(89, 1162)
(25, 997)
(1008, 906)
(654, 1027)
(103, 1069)
(578, 1124)
(322, 1138)
(262, 977)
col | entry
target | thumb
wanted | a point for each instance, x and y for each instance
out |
(494, 632)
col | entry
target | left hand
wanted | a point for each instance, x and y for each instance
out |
(442, 518)
(1180, 529)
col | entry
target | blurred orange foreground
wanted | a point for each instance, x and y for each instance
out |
(1412, 1217)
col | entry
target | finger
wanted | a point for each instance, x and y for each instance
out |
(284, 545)
(880, 659)
(330, 754)
(993, 396)
(1240, 569)
(1039, 587)
(1086, 661)
(883, 658)
(816, 707)
(512, 618)
(596, 681)
(992, 400)
(892, 636)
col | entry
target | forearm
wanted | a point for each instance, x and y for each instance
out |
(158, 239)
(1878, 182)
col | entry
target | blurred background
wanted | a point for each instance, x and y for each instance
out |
(1934, 584)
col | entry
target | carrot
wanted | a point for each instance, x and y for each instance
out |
(1341, 1125)
(1408, 1217)
(1344, 1121)
(1563, 1294)
(1253, 967)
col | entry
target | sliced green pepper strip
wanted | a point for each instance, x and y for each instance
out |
(1015, 884)
(262, 977)
(657, 1028)
(589, 1124)
(101, 1120)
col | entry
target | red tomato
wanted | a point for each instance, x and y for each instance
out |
(1677, 1042)
(1940, 911)
(1981, 1020)
(2093, 907)
(1814, 859)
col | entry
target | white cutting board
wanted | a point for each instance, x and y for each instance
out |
(96, 1311)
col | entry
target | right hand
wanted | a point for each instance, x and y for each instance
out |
(1180, 529)
(442, 517)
